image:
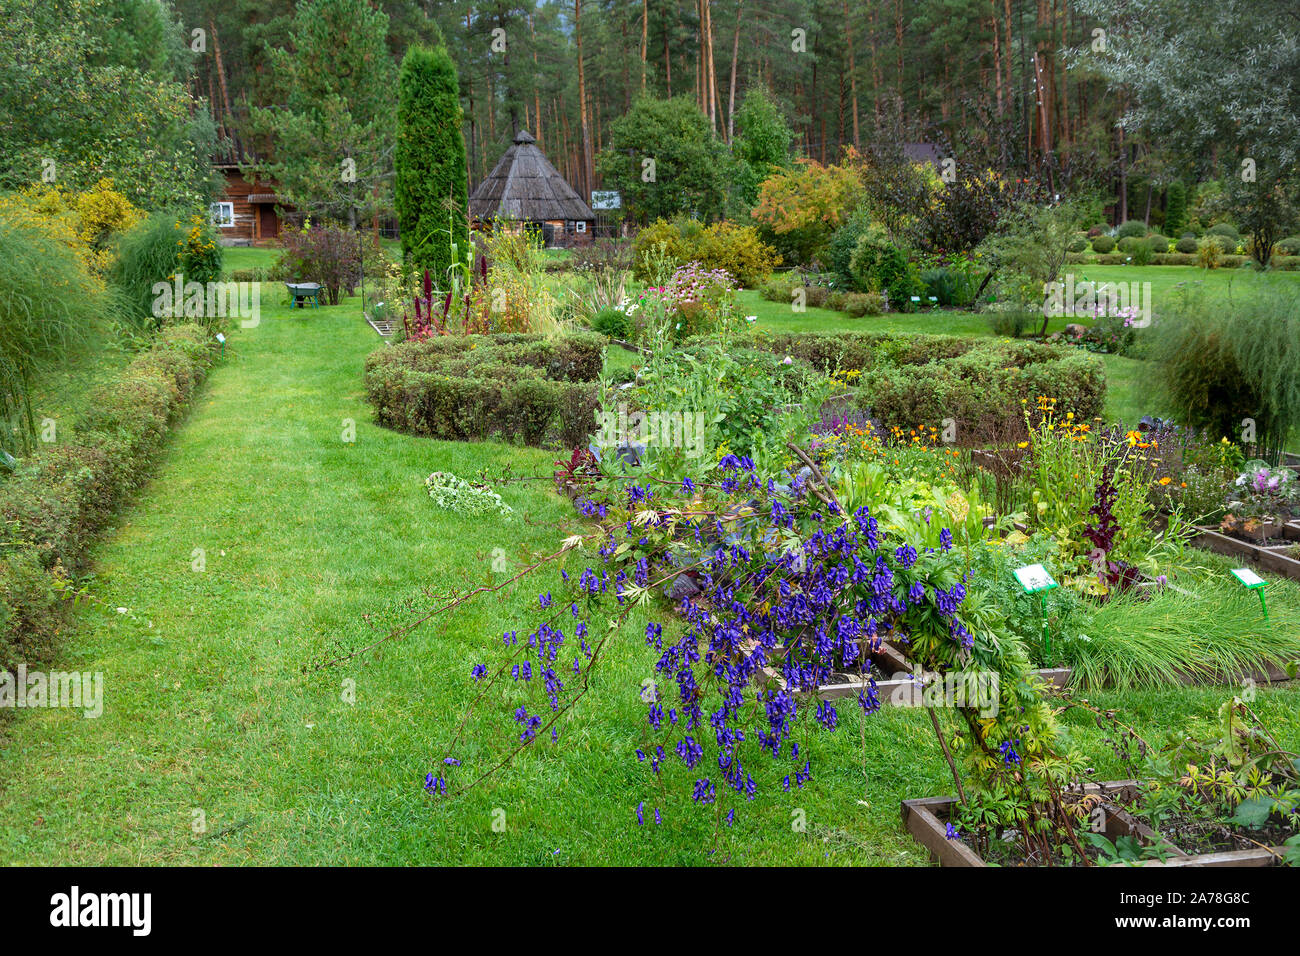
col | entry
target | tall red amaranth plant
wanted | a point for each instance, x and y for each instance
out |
(1113, 574)
(427, 322)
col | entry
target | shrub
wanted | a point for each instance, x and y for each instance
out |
(523, 387)
(949, 286)
(659, 239)
(816, 295)
(1209, 252)
(1142, 252)
(612, 322)
(328, 255)
(858, 304)
(723, 245)
(843, 243)
(1186, 245)
(1289, 246)
(1103, 244)
(1013, 322)
(1158, 243)
(1129, 244)
(780, 287)
(161, 249)
(1131, 228)
(739, 251)
(59, 498)
(1078, 244)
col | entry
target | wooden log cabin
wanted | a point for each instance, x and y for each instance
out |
(524, 189)
(247, 213)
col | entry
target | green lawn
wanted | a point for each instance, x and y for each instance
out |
(247, 257)
(208, 709)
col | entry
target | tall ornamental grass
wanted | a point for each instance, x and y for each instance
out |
(1230, 364)
(48, 303)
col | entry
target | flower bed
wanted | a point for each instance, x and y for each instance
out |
(928, 820)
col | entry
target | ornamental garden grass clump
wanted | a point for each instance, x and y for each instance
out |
(523, 387)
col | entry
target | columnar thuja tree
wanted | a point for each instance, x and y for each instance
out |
(430, 189)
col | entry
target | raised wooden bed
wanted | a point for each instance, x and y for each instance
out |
(1268, 557)
(927, 819)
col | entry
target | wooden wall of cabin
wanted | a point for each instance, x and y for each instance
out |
(254, 222)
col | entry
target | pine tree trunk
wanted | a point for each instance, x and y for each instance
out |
(735, 57)
(853, 73)
(585, 191)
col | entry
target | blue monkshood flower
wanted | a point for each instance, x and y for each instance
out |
(658, 819)
(478, 671)
(927, 513)
(1008, 750)
(640, 816)
(544, 599)
(731, 816)
(451, 761)
(826, 715)
(689, 751)
(916, 592)
(687, 485)
(435, 785)
(640, 755)
(704, 791)
(951, 832)
(945, 539)
(906, 555)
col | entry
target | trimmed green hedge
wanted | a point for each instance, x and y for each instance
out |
(520, 387)
(914, 380)
(59, 499)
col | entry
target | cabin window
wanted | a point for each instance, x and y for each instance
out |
(223, 214)
(581, 226)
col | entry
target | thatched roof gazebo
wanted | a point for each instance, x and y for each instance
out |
(524, 187)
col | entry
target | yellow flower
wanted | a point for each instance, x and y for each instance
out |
(1165, 480)
(1023, 444)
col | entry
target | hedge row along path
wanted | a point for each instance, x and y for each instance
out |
(209, 723)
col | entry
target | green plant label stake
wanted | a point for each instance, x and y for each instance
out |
(1253, 582)
(1035, 579)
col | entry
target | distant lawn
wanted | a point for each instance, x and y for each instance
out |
(247, 257)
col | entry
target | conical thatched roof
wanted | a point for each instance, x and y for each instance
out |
(525, 186)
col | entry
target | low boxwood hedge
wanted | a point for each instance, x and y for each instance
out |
(519, 387)
(913, 380)
(57, 500)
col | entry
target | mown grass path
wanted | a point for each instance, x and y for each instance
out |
(209, 716)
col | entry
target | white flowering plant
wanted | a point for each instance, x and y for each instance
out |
(464, 497)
